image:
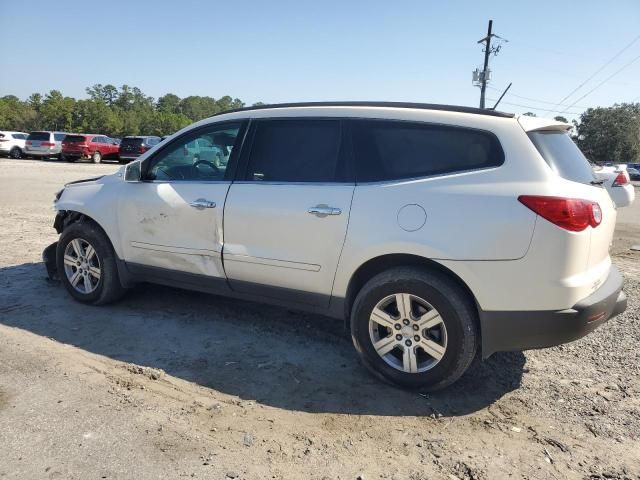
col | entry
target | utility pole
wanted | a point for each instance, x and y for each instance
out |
(487, 51)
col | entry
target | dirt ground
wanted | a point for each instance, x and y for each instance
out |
(173, 384)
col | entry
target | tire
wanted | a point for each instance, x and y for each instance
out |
(102, 290)
(453, 339)
(15, 153)
(96, 157)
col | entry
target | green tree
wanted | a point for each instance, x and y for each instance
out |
(560, 118)
(169, 103)
(610, 134)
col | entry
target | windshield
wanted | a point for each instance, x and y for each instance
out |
(563, 155)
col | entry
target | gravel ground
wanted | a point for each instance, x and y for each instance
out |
(172, 384)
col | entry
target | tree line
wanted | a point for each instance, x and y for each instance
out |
(110, 111)
(604, 134)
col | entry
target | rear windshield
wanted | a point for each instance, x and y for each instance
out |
(74, 139)
(42, 136)
(563, 156)
(131, 141)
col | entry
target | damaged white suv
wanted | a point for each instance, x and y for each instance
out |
(435, 232)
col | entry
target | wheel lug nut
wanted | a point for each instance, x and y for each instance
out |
(416, 327)
(417, 338)
(408, 343)
(397, 326)
(405, 321)
(398, 337)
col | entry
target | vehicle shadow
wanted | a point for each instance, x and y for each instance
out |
(274, 356)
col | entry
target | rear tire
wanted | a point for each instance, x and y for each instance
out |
(96, 157)
(430, 347)
(15, 153)
(86, 264)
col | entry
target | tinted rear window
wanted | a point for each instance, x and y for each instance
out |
(131, 141)
(295, 151)
(74, 139)
(42, 136)
(563, 156)
(394, 150)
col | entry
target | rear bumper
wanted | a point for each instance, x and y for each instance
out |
(517, 330)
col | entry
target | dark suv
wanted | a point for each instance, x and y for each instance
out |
(132, 147)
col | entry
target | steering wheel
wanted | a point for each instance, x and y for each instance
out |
(208, 163)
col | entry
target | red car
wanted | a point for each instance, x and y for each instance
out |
(95, 147)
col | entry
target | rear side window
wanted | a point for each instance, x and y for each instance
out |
(394, 150)
(153, 141)
(296, 151)
(59, 136)
(563, 155)
(41, 136)
(19, 136)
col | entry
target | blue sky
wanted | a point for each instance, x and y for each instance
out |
(278, 51)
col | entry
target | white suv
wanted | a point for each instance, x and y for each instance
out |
(12, 143)
(435, 232)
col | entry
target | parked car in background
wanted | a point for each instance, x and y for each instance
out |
(95, 147)
(134, 146)
(616, 180)
(44, 144)
(12, 143)
(634, 173)
(433, 231)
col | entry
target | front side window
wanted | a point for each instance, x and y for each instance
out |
(201, 156)
(296, 151)
(395, 150)
(59, 136)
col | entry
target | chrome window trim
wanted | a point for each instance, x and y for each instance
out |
(425, 177)
(260, 182)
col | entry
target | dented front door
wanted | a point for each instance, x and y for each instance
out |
(174, 225)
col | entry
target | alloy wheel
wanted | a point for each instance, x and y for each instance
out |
(82, 266)
(408, 333)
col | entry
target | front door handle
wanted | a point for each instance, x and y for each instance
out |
(324, 210)
(202, 203)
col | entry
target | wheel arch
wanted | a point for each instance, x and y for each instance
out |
(65, 218)
(381, 263)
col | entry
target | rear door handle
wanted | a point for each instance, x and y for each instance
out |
(324, 210)
(202, 203)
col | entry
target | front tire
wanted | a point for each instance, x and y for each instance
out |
(414, 328)
(96, 157)
(15, 153)
(87, 264)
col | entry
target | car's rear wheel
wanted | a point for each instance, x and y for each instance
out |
(414, 328)
(96, 157)
(15, 153)
(87, 264)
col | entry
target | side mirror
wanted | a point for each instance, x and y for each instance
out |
(133, 172)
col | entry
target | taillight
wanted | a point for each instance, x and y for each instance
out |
(29, 142)
(47, 144)
(620, 180)
(143, 149)
(572, 214)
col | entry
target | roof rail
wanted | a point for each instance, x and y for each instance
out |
(423, 106)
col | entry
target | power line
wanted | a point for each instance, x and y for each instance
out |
(532, 99)
(532, 107)
(603, 82)
(600, 69)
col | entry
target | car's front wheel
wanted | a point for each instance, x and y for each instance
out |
(96, 157)
(414, 328)
(87, 264)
